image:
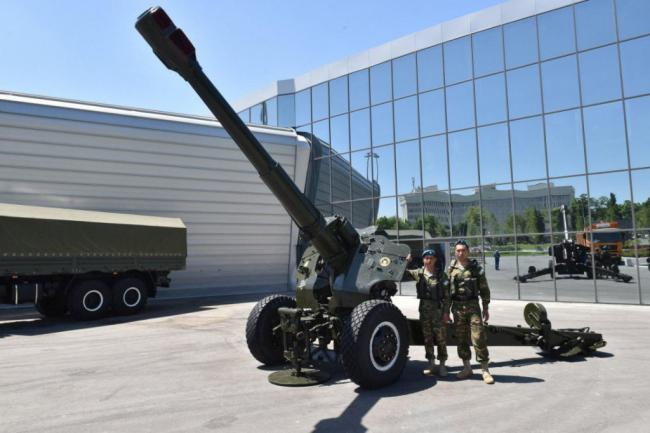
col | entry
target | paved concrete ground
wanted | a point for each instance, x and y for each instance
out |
(183, 366)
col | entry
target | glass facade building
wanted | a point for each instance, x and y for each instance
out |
(486, 136)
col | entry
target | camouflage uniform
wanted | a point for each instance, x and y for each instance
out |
(433, 292)
(466, 285)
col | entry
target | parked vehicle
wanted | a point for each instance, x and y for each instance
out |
(88, 264)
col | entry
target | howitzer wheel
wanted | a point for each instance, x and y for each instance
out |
(265, 345)
(374, 344)
(535, 315)
(306, 377)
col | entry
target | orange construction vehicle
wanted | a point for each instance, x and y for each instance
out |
(606, 237)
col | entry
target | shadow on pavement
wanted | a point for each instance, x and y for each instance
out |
(27, 321)
(411, 381)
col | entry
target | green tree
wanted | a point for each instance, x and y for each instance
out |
(431, 226)
(490, 223)
(519, 224)
(473, 220)
(642, 213)
(578, 213)
(534, 223)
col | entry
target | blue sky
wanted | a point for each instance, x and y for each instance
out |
(89, 50)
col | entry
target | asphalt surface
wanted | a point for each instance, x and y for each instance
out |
(183, 366)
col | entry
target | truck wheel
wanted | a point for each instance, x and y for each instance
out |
(52, 307)
(129, 296)
(89, 300)
(264, 345)
(375, 344)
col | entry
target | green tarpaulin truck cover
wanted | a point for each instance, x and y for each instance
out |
(42, 240)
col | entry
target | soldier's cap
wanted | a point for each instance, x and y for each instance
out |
(462, 242)
(429, 253)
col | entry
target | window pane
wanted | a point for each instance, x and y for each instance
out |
(462, 159)
(490, 99)
(595, 23)
(406, 119)
(599, 75)
(362, 173)
(638, 130)
(272, 112)
(360, 129)
(340, 177)
(556, 33)
(384, 169)
(494, 156)
(533, 251)
(320, 101)
(380, 90)
(641, 187)
(436, 210)
(458, 60)
(322, 196)
(340, 133)
(633, 17)
(432, 112)
(363, 213)
(286, 111)
(404, 76)
(520, 42)
(339, 95)
(527, 141)
(408, 167)
(560, 83)
(496, 209)
(460, 106)
(523, 92)
(359, 89)
(635, 56)
(605, 137)
(531, 208)
(573, 190)
(303, 107)
(609, 192)
(256, 114)
(430, 68)
(488, 52)
(322, 130)
(502, 285)
(382, 124)
(434, 163)
(387, 211)
(245, 116)
(564, 143)
(465, 213)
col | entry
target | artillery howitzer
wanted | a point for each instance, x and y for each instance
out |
(571, 258)
(345, 279)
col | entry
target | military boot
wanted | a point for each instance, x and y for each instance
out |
(432, 368)
(466, 372)
(442, 370)
(487, 377)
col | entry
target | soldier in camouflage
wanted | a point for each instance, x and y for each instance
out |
(468, 284)
(433, 292)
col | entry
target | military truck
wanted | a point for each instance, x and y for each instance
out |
(88, 264)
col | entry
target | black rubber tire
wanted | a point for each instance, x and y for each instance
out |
(264, 345)
(129, 295)
(52, 307)
(382, 326)
(89, 300)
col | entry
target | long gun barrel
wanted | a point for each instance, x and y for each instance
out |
(176, 51)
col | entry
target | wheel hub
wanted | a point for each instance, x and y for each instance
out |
(384, 346)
